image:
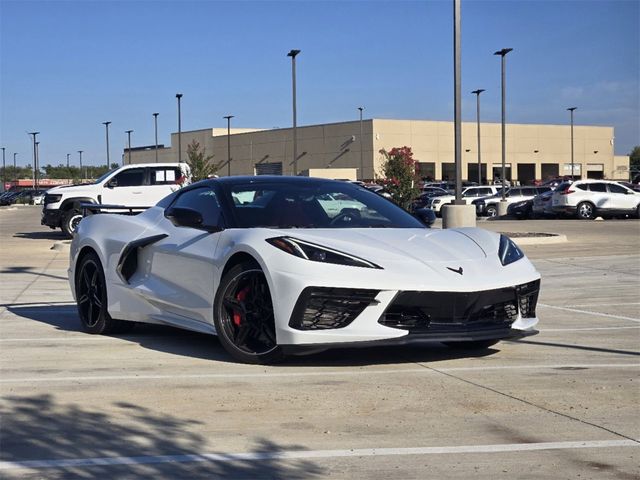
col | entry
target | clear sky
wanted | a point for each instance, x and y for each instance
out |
(68, 66)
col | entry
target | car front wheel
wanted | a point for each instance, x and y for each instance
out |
(244, 317)
(70, 222)
(491, 211)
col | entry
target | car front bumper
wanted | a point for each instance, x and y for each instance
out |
(51, 217)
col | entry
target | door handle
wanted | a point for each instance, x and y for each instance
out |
(136, 193)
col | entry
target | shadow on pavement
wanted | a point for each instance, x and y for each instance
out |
(579, 347)
(198, 345)
(31, 271)
(39, 428)
(43, 235)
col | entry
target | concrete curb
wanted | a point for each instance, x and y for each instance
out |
(61, 245)
(547, 239)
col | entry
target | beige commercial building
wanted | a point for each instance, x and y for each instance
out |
(534, 152)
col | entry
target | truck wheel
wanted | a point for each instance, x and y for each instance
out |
(70, 222)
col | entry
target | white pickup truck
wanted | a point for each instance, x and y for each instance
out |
(137, 185)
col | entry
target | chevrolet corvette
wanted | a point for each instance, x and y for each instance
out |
(290, 265)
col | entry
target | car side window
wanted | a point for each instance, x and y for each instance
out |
(598, 187)
(528, 191)
(164, 175)
(133, 177)
(203, 200)
(515, 192)
(583, 186)
(614, 188)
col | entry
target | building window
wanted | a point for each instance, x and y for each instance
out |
(273, 168)
(427, 171)
(448, 172)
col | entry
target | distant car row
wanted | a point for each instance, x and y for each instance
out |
(592, 198)
(31, 196)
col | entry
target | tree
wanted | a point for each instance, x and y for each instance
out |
(399, 175)
(634, 159)
(200, 163)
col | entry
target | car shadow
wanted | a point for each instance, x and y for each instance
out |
(45, 235)
(31, 271)
(94, 441)
(207, 347)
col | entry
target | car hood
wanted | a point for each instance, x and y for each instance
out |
(73, 189)
(402, 245)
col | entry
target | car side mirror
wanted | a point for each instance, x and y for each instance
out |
(426, 216)
(188, 217)
(111, 183)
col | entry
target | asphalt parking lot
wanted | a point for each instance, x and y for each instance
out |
(163, 403)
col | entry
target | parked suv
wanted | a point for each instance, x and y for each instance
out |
(489, 206)
(137, 185)
(468, 194)
(589, 198)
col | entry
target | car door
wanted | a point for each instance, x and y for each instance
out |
(599, 195)
(126, 188)
(622, 198)
(181, 268)
(163, 180)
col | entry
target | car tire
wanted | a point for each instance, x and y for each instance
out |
(91, 297)
(586, 211)
(638, 211)
(491, 211)
(472, 344)
(70, 222)
(244, 316)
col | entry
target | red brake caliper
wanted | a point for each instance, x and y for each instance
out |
(241, 295)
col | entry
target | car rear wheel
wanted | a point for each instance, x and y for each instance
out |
(244, 317)
(585, 210)
(70, 222)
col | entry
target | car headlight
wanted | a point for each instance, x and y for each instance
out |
(520, 204)
(436, 200)
(316, 253)
(508, 251)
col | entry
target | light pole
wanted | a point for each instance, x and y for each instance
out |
(106, 124)
(15, 167)
(128, 132)
(38, 164)
(361, 152)
(155, 124)
(457, 109)
(228, 117)
(571, 110)
(4, 170)
(179, 96)
(68, 155)
(293, 54)
(502, 54)
(35, 159)
(478, 92)
(80, 152)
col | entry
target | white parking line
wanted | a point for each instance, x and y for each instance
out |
(309, 454)
(288, 374)
(617, 304)
(588, 312)
(586, 329)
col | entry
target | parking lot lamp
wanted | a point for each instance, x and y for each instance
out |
(228, 117)
(106, 124)
(503, 54)
(293, 54)
(35, 158)
(4, 170)
(361, 152)
(128, 132)
(80, 153)
(155, 125)
(478, 92)
(571, 109)
(15, 168)
(179, 96)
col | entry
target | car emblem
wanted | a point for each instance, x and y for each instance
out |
(458, 270)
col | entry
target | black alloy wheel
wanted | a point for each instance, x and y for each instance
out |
(244, 317)
(91, 296)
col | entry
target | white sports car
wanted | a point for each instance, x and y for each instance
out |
(262, 263)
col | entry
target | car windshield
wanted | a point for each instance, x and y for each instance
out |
(104, 176)
(314, 205)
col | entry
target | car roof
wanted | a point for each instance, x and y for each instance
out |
(270, 179)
